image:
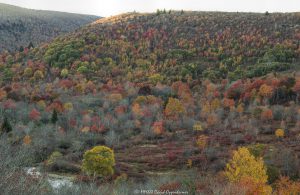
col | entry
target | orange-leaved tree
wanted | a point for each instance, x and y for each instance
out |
(284, 186)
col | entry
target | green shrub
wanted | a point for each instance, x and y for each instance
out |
(156, 78)
(273, 173)
(7, 74)
(64, 72)
(38, 75)
(28, 72)
(83, 69)
(54, 157)
(265, 68)
(279, 54)
(99, 161)
(180, 54)
(212, 74)
(61, 54)
(257, 150)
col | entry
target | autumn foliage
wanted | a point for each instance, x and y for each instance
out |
(34, 114)
(244, 168)
(99, 161)
(174, 108)
(166, 91)
(284, 186)
(158, 127)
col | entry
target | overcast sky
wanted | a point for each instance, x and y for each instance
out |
(112, 7)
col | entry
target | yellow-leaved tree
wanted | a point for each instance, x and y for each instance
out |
(245, 167)
(99, 161)
(174, 108)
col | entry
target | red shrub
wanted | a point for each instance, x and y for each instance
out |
(9, 104)
(34, 114)
(267, 114)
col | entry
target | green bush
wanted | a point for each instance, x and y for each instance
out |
(54, 157)
(99, 161)
(257, 150)
(273, 173)
(265, 68)
(7, 74)
(61, 55)
(64, 72)
(279, 54)
(83, 69)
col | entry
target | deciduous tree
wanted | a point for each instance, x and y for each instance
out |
(174, 108)
(99, 161)
(243, 164)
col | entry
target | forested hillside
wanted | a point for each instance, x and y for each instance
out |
(201, 102)
(179, 45)
(19, 26)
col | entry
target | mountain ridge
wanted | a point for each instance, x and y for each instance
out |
(21, 26)
(193, 43)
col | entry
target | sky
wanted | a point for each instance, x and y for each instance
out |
(112, 7)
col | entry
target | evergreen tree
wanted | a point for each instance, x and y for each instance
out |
(21, 49)
(6, 126)
(54, 117)
(157, 12)
(30, 45)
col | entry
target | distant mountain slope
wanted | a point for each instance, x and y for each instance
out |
(20, 26)
(170, 47)
(178, 45)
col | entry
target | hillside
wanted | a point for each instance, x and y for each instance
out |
(179, 45)
(20, 26)
(176, 95)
